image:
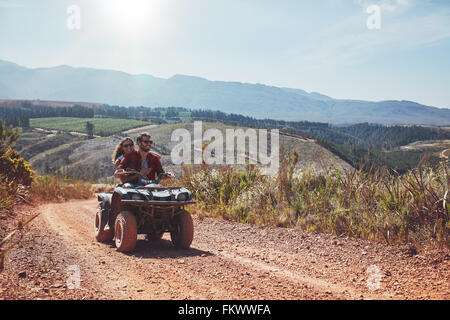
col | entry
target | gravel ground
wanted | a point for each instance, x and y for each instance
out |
(227, 260)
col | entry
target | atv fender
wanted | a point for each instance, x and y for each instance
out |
(105, 199)
(115, 201)
(123, 193)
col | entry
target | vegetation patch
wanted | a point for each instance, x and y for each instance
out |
(56, 188)
(102, 126)
(30, 147)
(18, 183)
(15, 172)
(366, 203)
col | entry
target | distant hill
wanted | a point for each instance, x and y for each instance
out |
(65, 83)
(13, 103)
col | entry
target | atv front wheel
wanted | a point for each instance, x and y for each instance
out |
(125, 231)
(101, 234)
(184, 230)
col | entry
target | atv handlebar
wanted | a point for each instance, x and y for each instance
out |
(128, 172)
(122, 172)
(163, 175)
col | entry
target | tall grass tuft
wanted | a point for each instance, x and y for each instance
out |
(56, 188)
(5, 240)
(6, 196)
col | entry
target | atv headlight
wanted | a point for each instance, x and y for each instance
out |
(182, 197)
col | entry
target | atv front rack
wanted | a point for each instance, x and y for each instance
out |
(159, 203)
(157, 188)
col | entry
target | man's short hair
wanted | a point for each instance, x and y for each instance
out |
(142, 135)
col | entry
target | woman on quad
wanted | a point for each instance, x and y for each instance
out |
(126, 146)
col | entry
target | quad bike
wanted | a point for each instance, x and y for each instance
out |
(142, 206)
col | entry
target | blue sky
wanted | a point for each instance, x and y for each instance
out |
(323, 46)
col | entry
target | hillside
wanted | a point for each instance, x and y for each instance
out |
(91, 159)
(118, 88)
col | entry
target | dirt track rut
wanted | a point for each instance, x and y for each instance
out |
(228, 261)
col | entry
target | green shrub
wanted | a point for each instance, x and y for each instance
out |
(6, 196)
(15, 172)
(15, 168)
(12, 166)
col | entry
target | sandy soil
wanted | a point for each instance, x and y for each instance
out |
(227, 260)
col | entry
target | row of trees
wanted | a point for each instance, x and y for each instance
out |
(140, 112)
(18, 114)
(16, 120)
(389, 137)
(241, 120)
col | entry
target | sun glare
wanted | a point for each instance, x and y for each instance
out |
(132, 15)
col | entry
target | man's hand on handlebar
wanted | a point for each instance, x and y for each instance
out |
(121, 172)
(165, 175)
(118, 173)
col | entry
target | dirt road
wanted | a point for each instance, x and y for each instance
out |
(227, 260)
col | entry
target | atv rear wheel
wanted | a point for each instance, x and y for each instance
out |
(184, 230)
(101, 234)
(125, 231)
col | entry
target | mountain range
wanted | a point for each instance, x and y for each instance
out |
(65, 83)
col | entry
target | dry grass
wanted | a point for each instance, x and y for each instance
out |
(102, 187)
(55, 188)
(377, 205)
(43, 188)
(8, 240)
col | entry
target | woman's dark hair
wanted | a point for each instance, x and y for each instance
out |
(119, 150)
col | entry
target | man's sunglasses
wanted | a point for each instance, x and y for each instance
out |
(128, 145)
(147, 141)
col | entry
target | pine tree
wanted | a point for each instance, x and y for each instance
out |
(90, 130)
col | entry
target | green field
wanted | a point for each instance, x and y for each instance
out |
(102, 126)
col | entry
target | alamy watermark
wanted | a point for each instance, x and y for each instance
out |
(74, 277)
(73, 21)
(374, 280)
(374, 20)
(237, 150)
